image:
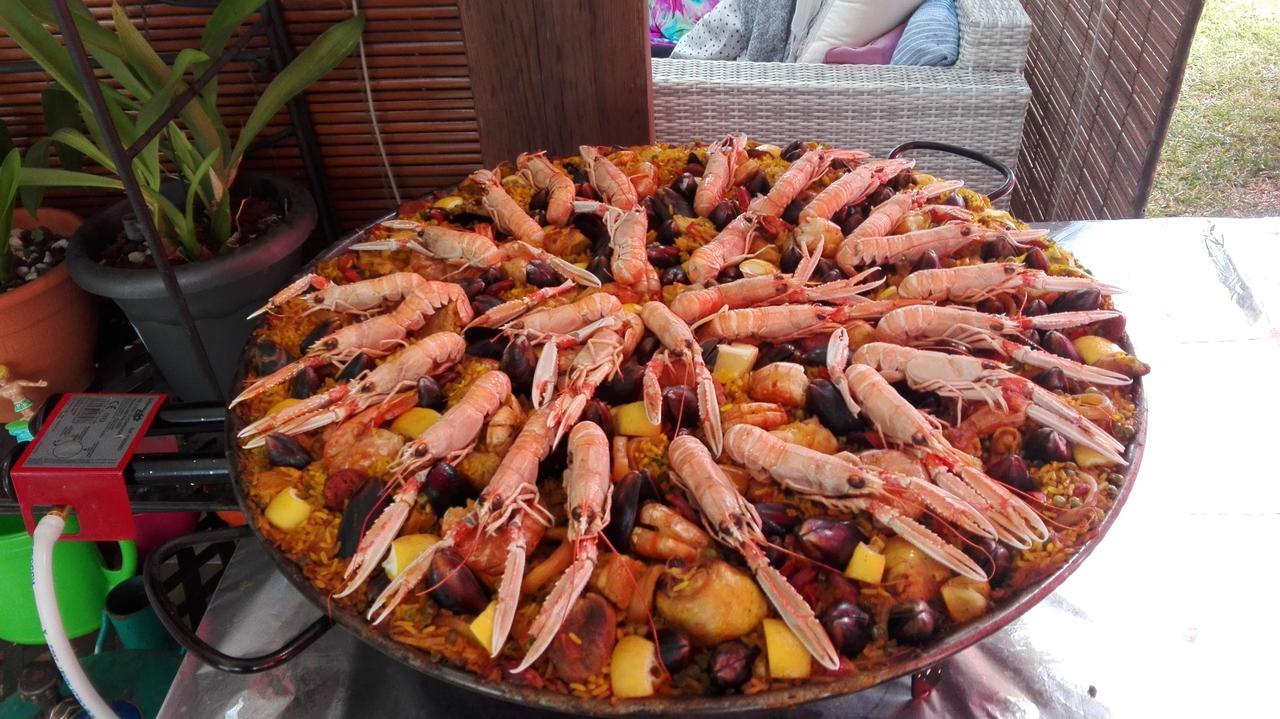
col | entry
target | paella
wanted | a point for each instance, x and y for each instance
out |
(687, 419)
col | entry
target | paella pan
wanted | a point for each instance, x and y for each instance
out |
(696, 427)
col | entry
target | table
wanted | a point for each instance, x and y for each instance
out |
(1170, 616)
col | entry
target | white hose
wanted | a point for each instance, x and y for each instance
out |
(55, 635)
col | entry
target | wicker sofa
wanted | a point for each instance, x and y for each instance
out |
(978, 103)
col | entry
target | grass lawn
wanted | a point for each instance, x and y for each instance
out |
(1222, 156)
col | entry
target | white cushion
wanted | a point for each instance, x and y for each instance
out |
(802, 22)
(852, 23)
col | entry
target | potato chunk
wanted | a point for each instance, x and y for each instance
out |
(713, 603)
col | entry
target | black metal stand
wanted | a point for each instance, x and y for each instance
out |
(271, 22)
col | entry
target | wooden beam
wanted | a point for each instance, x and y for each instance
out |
(554, 74)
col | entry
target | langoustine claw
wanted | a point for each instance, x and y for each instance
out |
(811, 165)
(589, 498)
(722, 162)
(469, 249)
(510, 499)
(903, 425)
(860, 251)
(974, 283)
(924, 325)
(679, 343)
(971, 378)
(547, 176)
(429, 356)
(612, 183)
(418, 299)
(853, 186)
(734, 522)
(844, 482)
(449, 439)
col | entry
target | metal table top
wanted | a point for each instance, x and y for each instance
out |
(1167, 617)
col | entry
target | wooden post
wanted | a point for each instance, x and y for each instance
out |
(554, 74)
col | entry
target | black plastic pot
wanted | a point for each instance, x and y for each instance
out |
(220, 292)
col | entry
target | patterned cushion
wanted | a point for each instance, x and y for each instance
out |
(670, 19)
(932, 36)
(721, 34)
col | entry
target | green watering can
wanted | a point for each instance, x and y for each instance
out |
(80, 580)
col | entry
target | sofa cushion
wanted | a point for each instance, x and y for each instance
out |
(852, 23)
(721, 34)
(932, 36)
(876, 52)
(802, 20)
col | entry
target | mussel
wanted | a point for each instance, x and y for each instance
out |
(518, 361)
(624, 508)
(446, 487)
(849, 627)
(317, 333)
(285, 451)
(358, 514)
(266, 356)
(828, 540)
(453, 584)
(680, 406)
(730, 665)
(824, 400)
(913, 622)
(429, 394)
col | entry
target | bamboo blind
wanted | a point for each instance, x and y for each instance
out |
(419, 81)
(1104, 77)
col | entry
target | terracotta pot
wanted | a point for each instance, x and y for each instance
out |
(221, 292)
(48, 328)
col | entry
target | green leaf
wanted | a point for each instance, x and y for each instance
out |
(101, 44)
(50, 177)
(334, 45)
(159, 102)
(185, 229)
(137, 51)
(41, 46)
(76, 140)
(9, 170)
(186, 157)
(194, 181)
(6, 141)
(154, 72)
(62, 112)
(37, 156)
(184, 152)
(220, 220)
(90, 31)
(226, 18)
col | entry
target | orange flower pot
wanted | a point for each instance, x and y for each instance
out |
(49, 327)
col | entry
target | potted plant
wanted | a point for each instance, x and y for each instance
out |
(48, 325)
(234, 237)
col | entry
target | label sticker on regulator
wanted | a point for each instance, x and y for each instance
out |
(94, 430)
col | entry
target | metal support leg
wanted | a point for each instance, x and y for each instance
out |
(84, 72)
(304, 129)
(925, 681)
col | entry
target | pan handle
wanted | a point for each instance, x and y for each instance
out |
(168, 613)
(1010, 179)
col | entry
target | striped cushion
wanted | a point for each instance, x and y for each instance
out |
(932, 36)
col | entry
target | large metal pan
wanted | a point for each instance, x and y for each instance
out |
(353, 622)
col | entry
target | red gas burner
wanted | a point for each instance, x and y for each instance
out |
(79, 457)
